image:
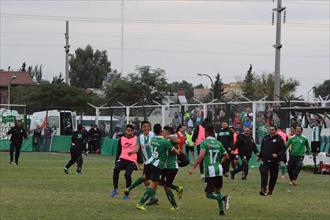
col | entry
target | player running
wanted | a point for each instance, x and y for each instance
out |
(212, 153)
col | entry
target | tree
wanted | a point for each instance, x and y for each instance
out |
(248, 87)
(144, 86)
(199, 86)
(218, 88)
(58, 79)
(323, 89)
(188, 88)
(88, 69)
(47, 96)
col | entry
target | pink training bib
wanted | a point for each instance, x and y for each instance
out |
(127, 145)
(201, 135)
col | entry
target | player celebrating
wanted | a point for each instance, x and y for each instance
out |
(160, 147)
(124, 160)
(213, 152)
(144, 149)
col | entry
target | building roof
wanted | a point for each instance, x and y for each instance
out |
(22, 78)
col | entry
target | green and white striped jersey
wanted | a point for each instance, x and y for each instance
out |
(213, 155)
(144, 143)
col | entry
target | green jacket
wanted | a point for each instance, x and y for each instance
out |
(299, 145)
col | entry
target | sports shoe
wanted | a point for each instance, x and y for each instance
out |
(125, 197)
(243, 178)
(270, 192)
(126, 192)
(263, 192)
(15, 164)
(153, 202)
(226, 200)
(66, 171)
(114, 192)
(11, 162)
(180, 192)
(140, 207)
(202, 177)
(221, 213)
(232, 175)
(174, 209)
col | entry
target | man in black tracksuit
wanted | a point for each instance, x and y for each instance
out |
(272, 149)
(245, 144)
(17, 134)
(225, 136)
(94, 139)
(77, 147)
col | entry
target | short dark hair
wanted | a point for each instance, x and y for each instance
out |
(169, 129)
(273, 126)
(130, 126)
(145, 122)
(209, 129)
(299, 126)
(179, 127)
(157, 129)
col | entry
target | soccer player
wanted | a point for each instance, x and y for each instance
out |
(212, 153)
(298, 145)
(144, 149)
(245, 144)
(17, 134)
(124, 160)
(316, 125)
(77, 147)
(160, 148)
(272, 148)
(181, 136)
(171, 169)
(198, 137)
(225, 136)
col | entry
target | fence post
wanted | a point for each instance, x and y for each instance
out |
(205, 110)
(127, 114)
(163, 115)
(254, 110)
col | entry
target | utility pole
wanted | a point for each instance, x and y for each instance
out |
(122, 39)
(278, 47)
(67, 50)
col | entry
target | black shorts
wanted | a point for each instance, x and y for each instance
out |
(315, 146)
(123, 164)
(213, 183)
(146, 171)
(168, 176)
(154, 173)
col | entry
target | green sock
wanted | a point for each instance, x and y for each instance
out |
(216, 196)
(171, 198)
(136, 183)
(147, 194)
(282, 169)
(153, 197)
(174, 187)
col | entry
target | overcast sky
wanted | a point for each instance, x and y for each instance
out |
(183, 37)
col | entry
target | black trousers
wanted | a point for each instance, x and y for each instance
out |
(201, 165)
(94, 145)
(244, 167)
(268, 170)
(294, 166)
(76, 157)
(17, 149)
(126, 165)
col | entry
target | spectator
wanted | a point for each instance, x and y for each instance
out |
(36, 138)
(47, 136)
(94, 135)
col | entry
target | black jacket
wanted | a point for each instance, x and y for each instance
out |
(245, 145)
(94, 135)
(78, 140)
(17, 135)
(225, 136)
(272, 145)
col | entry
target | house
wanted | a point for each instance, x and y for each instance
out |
(13, 78)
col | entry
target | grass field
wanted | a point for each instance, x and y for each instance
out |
(38, 189)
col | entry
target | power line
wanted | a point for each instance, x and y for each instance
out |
(157, 21)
